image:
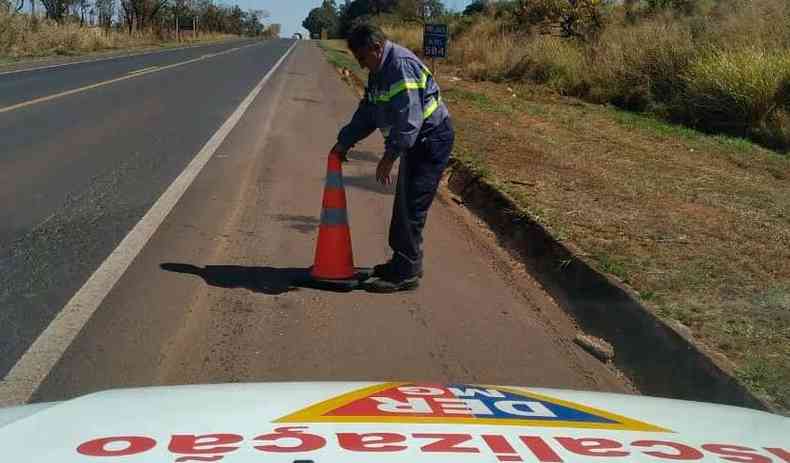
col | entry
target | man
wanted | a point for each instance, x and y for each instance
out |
(403, 101)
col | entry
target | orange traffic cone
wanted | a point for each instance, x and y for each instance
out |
(334, 259)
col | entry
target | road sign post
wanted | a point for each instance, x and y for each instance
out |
(434, 43)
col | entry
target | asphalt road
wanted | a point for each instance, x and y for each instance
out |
(210, 297)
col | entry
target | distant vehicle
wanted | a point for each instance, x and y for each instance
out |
(381, 422)
(298, 36)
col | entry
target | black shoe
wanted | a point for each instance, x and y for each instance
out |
(393, 285)
(386, 270)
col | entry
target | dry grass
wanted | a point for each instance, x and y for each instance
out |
(698, 225)
(726, 70)
(555, 62)
(21, 38)
(486, 50)
(407, 35)
(737, 90)
(639, 66)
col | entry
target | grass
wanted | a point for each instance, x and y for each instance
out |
(480, 100)
(724, 69)
(339, 56)
(696, 224)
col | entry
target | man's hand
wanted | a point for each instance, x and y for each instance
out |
(342, 150)
(384, 169)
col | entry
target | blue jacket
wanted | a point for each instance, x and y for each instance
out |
(401, 99)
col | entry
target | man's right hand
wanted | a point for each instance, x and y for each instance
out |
(342, 150)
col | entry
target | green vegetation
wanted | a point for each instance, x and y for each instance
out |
(338, 55)
(331, 20)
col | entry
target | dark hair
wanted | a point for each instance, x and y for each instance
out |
(365, 35)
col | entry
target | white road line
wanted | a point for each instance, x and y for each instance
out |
(35, 364)
(132, 75)
(145, 69)
(97, 60)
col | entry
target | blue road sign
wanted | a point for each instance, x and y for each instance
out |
(434, 41)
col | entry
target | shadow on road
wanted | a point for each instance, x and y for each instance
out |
(369, 183)
(300, 223)
(266, 280)
(367, 156)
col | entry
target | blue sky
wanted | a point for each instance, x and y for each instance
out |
(290, 13)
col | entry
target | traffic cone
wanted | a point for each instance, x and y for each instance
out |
(334, 258)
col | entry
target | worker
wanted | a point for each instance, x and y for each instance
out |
(403, 101)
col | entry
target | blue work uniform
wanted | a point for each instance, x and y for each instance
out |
(403, 101)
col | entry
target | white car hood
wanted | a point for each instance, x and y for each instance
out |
(385, 422)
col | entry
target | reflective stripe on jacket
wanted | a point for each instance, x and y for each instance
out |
(401, 100)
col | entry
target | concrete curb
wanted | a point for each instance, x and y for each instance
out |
(659, 358)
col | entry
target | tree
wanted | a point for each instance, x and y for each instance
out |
(580, 19)
(140, 14)
(56, 9)
(235, 20)
(105, 10)
(84, 7)
(358, 11)
(252, 24)
(476, 7)
(410, 10)
(322, 18)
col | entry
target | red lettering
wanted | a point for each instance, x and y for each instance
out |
(205, 444)
(501, 447)
(446, 443)
(132, 446)
(542, 451)
(736, 453)
(307, 442)
(498, 443)
(371, 442)
(682, 451)
(593, 447)
(781, 453)
(193, 458)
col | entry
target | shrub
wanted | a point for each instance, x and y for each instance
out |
(558, 63)
(581, 19)
(737, 90)
(487, 50)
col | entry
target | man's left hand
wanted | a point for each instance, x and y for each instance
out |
(384, 169)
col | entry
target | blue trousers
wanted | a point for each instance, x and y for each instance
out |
(419, 174)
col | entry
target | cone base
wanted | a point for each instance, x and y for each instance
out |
(361, 274)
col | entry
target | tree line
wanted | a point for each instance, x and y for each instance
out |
(336, 20)
(148, 15)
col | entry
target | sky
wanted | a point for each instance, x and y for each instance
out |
(291, 13)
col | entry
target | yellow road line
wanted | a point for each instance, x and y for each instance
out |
(132, 75)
